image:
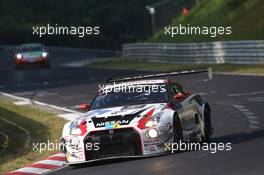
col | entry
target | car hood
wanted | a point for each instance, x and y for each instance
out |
(123, 115)
(125, 110)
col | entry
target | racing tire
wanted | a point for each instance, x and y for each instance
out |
(177, 129)
(208, 130)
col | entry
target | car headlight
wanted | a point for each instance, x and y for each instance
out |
(75, 129)
(19, 56)
(148, 120)
(152, 133)
(44, 54)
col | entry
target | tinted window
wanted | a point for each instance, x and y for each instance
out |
(122, 98)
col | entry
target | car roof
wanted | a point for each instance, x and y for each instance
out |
(134, 83)
(138, 82)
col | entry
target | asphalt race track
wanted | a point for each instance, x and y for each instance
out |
(237, 104)
(57, 84)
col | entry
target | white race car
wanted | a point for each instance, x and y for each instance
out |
(136, 117)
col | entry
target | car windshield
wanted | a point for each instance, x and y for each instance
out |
(31, 48)
(140, 94)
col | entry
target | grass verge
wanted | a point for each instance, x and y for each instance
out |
(20, 127)
(155, 66)
(244, 16)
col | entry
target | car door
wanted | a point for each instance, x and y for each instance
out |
(197, 103)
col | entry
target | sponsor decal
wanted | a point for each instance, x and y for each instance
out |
(151, 142)
(113, 121)
(152, 148)
(112, 124)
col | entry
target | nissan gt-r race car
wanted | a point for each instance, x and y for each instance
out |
(136, 117)
(31, 54)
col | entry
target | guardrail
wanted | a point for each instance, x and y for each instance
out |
(236, 52)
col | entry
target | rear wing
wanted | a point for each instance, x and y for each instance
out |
(141, 77)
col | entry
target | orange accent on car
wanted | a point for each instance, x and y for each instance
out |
(83, 127)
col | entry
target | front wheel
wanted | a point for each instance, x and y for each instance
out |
(177, 129)
(208, 130)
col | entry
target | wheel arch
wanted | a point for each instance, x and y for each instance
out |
(206, 105)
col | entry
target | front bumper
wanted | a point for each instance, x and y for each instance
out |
(114, 143)
(26, 61)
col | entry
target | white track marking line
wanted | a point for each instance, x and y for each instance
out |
(53, 162)
(253, 127)
(239, 106)
(76, 63)
(244, 110)
(58, 155)
(256, 99)
(252, 118)
(239, 74)
(21, 103)
(32, 170)
(254, 122)
(69, 116)
(245, 94)
(40, 103)
(248, 113)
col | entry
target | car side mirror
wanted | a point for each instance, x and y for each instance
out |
(179, 96)
(84, 106)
